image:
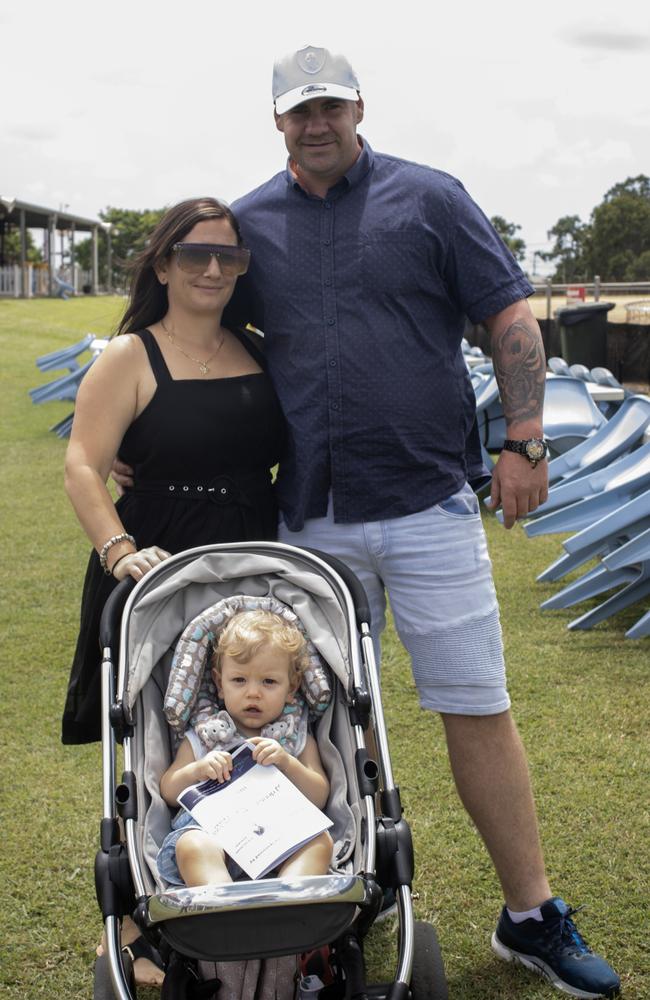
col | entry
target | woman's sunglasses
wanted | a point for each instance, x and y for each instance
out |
(195, 258)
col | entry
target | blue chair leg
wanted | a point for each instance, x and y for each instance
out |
(571, 560)
(594, 582)
(618, 602)
(641, 629)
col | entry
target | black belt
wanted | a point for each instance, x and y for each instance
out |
(220, 490)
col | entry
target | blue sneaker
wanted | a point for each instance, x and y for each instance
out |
(554, 948)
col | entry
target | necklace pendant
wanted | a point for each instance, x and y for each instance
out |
(204, 368)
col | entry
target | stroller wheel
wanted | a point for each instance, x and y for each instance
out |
(102, 986)
(428, 980)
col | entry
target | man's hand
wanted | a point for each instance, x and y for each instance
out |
(517, 487)
(122, 475)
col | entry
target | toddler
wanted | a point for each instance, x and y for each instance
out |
(257, 668)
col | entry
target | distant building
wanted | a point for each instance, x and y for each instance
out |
(23, 279)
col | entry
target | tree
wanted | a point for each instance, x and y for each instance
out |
(614, 244)
(507, 231)
(11, 248)
(570, 248)
(129, 233)
(620, 232)
(637, 186)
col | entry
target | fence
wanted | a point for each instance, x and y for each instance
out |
(33, 280)
(10, 281)
(594, 288)
(638, 312)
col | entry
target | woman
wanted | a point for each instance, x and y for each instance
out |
(187, 404)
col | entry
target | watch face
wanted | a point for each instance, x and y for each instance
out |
(535, 450)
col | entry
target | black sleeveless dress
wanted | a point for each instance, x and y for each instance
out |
(201, 451)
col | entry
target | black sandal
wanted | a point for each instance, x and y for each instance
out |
(140, 948)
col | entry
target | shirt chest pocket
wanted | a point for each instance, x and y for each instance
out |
(394, 261)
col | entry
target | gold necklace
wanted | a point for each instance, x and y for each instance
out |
(204, 366)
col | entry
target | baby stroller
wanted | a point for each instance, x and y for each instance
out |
(262, 919)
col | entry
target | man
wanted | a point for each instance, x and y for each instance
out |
(363, 270)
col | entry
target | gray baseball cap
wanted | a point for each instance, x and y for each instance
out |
(309, 73)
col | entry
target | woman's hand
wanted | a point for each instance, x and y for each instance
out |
(268, 751)
(137, 564)
(216, 765)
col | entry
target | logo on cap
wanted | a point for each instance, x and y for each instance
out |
(311, 60)
(313, 88)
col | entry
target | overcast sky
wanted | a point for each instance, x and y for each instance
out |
(538, 108)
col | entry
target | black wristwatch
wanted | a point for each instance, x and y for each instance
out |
(534, 449)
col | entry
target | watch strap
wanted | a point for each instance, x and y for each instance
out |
(534, 449)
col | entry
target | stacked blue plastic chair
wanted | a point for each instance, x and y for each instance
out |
(558, 366)
(600, 490)
(65, 357)
(618, 436)
(65, 387)
(570, 414)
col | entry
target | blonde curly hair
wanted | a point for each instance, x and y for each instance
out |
(250, 631)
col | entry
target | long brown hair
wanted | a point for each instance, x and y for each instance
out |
(147, 297)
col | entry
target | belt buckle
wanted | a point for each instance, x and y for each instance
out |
(221, 490)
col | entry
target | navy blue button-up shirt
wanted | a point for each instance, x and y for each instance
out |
(362, 297)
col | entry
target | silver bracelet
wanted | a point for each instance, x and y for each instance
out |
(115, 540)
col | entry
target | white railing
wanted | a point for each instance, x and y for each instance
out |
(595, 287)
(10, 281)
(589, 288)
(16, 282)
(638, 312)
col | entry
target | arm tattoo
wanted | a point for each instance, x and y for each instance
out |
(520, 368)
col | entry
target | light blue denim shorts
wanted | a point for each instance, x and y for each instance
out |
(166, 859)
(434, 566)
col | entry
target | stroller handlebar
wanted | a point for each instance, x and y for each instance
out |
(109, 625)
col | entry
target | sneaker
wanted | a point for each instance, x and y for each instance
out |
(554, 948)
(388, 906)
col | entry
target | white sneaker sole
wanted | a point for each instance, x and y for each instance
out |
(538, 966)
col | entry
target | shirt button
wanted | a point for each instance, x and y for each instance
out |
(326, 204)
(327, 243)
(327, 282)
(335, 406)
(332, 364)
(331, 322)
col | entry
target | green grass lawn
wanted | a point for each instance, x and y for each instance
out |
(581, 701)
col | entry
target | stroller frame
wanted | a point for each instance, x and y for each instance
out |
(339, 908)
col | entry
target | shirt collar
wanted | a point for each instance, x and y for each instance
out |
(359, 169)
